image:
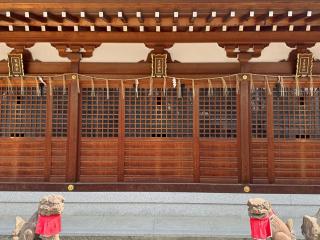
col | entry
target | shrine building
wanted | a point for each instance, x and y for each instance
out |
(136, 103)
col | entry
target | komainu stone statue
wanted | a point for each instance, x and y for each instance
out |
(310, 227)
(259, 208)
(49, 207)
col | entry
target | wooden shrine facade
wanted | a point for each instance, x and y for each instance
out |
(100, 136)
(91, 127)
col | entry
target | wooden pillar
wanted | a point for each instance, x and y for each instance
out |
(48, 162)
(270, 136)
(73, 125)
(121, 133)
(196, 144)
(245, 129)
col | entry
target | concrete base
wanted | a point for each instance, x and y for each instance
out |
(156, 214)
(136, 238)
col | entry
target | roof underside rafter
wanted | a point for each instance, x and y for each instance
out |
(160, 21)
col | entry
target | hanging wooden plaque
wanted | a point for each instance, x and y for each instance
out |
(15, 64)
(159, 65)
(304, 64)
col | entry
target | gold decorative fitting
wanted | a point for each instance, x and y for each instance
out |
(159, 65)
(304, 64)
(244, 77)
(246, 189)
(74, 77)
(70, 187)
(15, 65)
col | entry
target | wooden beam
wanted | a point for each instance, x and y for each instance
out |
(315, 17)
(18, 17)
(167, 5)
(262, 17)
(53, 17)
(297, 17)
(157, 17)
(122, 17)
(270, 136)
(121, 133)
(246, 16)
(164, 37)
(196, 138)
(88, 17)
(6, 19)
(175, 17)
(229, 16)
(193, 17)
(245, 130)
(36, 17)
(119, 70)
(69, 17)
(104, 16)
(48, 161)
(279, 18)
(140, 17)
(73, 132)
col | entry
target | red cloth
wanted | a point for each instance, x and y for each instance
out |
(260, 228)
(48, 225)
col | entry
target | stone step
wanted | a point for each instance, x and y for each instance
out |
(137, 238)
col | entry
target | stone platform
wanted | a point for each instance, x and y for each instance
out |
(136, 238)
(146, 215)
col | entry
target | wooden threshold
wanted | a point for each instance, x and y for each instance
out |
(162, 187)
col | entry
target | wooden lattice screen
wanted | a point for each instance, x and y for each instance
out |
(158, 115)
(218, 113)
(296, 117)
(259, 113)
(23, 112)
(60, 112)
(100, 114)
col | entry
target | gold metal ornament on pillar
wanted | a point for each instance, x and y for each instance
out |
(246, 189)
(70, 187)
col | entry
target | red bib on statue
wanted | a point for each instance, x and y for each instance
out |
(260, 228)
(48, 225)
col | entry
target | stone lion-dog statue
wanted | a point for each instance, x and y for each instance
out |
(259, 208)
(311, 227)
(51, 205)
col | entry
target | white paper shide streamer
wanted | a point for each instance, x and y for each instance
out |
(210, 90)
(136, 87)
(164, 86)
(53, 80)
(107, 87)
(93, 94)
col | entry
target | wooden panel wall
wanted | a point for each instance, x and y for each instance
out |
(259, 156)
(219, 161)
(297, 162)
(58, 158)
(158, 160)
(22, 159)
(98, 160)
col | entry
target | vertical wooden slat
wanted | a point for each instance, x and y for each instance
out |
(48, 163)
(245, 133)
(121, 134)
(270, 136)
(196, 144)
(79, 135)
(239, 137)
(73, 132)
